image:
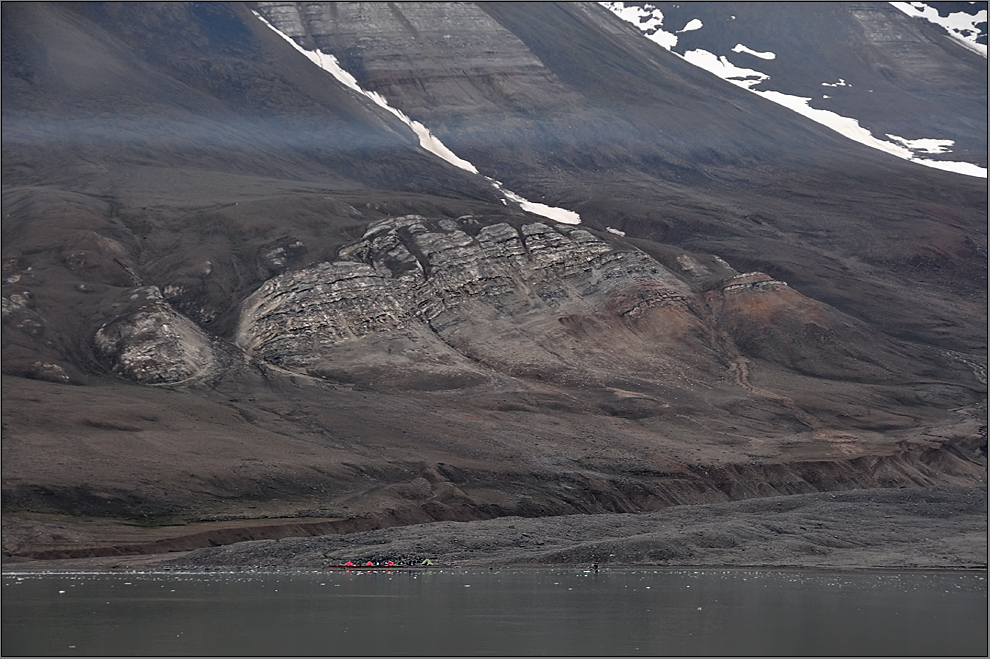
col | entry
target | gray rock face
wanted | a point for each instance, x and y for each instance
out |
(467, 63)
(151, 343)
(451, 301)
(431, 304)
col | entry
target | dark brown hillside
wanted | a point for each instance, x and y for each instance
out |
(235, 291)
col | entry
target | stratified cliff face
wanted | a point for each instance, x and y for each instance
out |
(465, 63)
(433, 304)
(474, 308)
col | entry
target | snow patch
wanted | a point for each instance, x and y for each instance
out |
(329, 63)
(851, 129)
(647, 18)
(427, 140)
(842, 125)
(960, 25)
(966, 168)
(615, 231)
(561, 215)
(723, 68)
(739, 48)
(841, 83)
(924, 145)
(692, 25)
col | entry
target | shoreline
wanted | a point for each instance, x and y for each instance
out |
(158, 571)
(933, 529)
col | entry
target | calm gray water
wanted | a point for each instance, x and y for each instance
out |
(508, 612)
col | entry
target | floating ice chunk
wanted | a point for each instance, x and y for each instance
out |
(960, 25)
(841, 83)
(739, 48)
(692, 25)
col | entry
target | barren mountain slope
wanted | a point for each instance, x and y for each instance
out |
(236, 290)
(635, 138)
(898, 76)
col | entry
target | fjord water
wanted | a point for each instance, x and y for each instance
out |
(498, 612)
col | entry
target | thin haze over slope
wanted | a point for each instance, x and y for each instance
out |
(427, 140)
(649, 19)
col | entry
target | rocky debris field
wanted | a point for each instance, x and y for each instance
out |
(943, 527)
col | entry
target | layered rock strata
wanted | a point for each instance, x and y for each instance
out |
(459, 299)
(440, 304)
(465, 62)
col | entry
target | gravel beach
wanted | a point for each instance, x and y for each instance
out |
(941, 528)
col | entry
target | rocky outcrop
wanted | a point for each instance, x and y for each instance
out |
(441, 303)
(768, 320)
(149, 342)
(454, 300)
(506, 86)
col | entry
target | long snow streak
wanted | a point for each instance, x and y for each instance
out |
(427, 140)
(649, 20)
(561, 215)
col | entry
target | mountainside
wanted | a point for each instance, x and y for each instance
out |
(880, 77)
(380, 263)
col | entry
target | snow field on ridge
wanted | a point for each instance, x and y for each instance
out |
(649, 20)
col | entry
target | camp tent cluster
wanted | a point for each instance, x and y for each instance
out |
(351, 564)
